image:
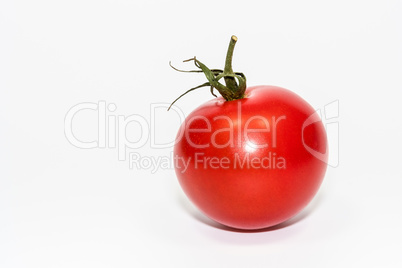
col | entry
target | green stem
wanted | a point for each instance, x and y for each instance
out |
(230, 81)
(231, 90)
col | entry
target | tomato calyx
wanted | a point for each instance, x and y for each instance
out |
(235, 82)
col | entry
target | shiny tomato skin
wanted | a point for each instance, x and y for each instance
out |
(220, 177)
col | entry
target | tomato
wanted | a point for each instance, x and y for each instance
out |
(247, 163)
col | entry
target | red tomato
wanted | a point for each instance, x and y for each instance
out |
(247, 163)
(252, 158)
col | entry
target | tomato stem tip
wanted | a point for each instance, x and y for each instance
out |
(235, 83)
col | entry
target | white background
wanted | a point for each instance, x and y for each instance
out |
(62, 206)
